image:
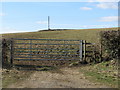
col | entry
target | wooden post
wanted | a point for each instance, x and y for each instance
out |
(3, 51)
(11, 52)
(84, 50)
(100, 50)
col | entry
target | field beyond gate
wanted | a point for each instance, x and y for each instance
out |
(46, 49)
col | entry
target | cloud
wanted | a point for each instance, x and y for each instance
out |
(2, 14)
(86, 8)
(107, 5)
(109, 19)
(41, 22)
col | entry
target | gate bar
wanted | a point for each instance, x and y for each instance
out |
(46, 39)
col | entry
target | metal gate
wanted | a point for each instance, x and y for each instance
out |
(46, 49)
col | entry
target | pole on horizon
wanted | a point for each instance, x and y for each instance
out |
(48, 22)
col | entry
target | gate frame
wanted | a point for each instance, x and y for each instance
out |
(82, 48)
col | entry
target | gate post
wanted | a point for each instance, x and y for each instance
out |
(81, 50)
(84, 50)
(11, 52)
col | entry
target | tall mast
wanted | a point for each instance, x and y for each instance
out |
(48, 22)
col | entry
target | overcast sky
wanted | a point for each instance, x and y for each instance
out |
(32, 16)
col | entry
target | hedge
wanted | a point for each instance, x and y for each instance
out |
(6, 50)
(110, 41)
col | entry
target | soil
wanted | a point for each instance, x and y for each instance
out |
(63, 78)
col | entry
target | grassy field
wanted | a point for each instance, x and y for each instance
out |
(91, 35)
(99, 72)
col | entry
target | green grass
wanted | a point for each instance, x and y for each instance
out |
(105, 73)
(91, 35)
(107, 80)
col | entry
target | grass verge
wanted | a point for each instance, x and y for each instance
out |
(104, 73)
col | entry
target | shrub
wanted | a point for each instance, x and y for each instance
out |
(110, 41)
(6, 46)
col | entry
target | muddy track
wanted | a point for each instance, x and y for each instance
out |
(64, 78)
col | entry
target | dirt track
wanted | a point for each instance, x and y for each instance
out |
(64, 78)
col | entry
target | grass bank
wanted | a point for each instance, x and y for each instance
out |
(105, 73)
(91, 35)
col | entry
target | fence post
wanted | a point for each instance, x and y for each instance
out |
(84, 50)
(81, 50)
(11, 52)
